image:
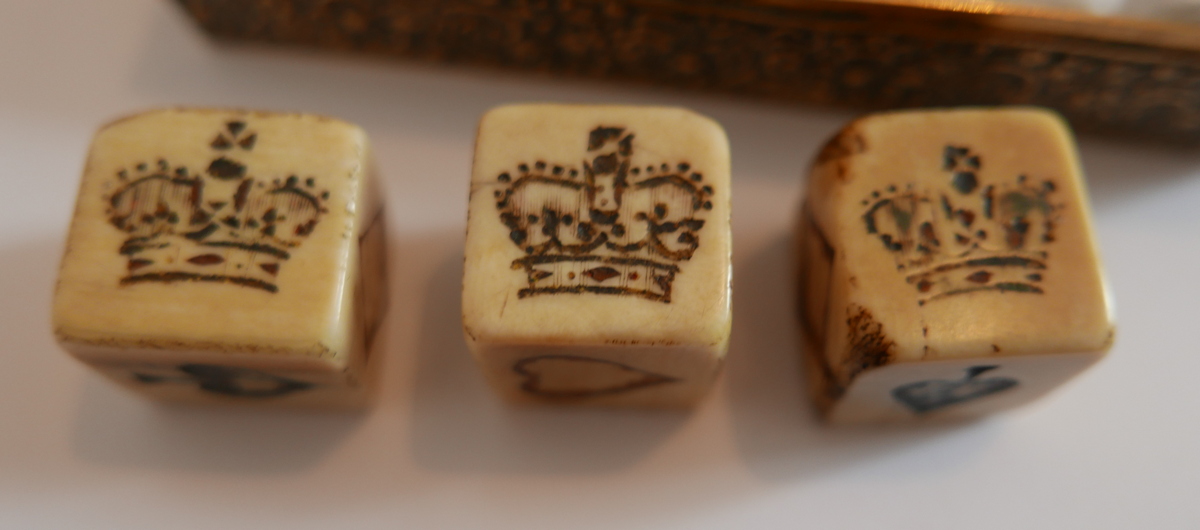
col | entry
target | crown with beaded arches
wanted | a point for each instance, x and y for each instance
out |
(603, 225)
(966, 237)
(220, 224)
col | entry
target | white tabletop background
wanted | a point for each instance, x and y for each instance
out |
(1119, 447)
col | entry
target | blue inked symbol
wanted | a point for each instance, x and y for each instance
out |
(927, 396)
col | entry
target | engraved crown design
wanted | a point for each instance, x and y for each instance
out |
(966, 237)
(219, 225)
(603, 226)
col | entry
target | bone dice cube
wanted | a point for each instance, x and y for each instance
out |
(597, 267)
(222, 256)
(947, 265)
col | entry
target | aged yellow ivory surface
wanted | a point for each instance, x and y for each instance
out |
(226, 256)
(947, 265)
(598, 254)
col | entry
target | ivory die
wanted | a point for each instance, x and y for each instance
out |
(597, 265)
(948, 265)
(226, 256)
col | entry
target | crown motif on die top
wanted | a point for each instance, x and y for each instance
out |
(966, 237)
(603, 226)
(222, 224)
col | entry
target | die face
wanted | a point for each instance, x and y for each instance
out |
(598, 225)
(950, 235)
(597, 265)
(205, 240)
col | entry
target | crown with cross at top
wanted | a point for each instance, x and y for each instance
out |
(221, 224)
(603, 225)
(967, 237)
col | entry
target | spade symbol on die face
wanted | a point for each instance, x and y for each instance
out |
(927, 396)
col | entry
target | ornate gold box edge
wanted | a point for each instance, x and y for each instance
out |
(1106, 74)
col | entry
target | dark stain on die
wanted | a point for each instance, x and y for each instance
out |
(869, 345)
(227, 381)
(924, 397)
(846, 144)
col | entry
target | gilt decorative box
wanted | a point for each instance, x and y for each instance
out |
(1109, 73)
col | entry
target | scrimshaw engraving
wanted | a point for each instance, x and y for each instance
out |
(603, 225)
(574, 377)
(221, 224)
(966, 236)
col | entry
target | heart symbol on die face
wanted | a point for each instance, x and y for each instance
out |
(927, 396)
(575, 377)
